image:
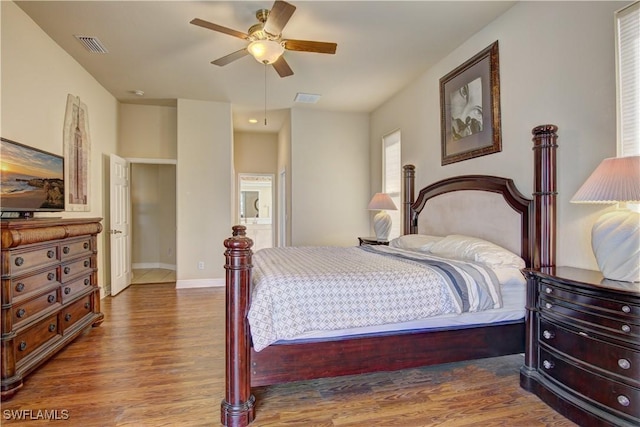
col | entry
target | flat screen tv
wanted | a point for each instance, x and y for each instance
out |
(32, 180)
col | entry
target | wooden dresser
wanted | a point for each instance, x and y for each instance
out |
(583, 346)
(50, 291)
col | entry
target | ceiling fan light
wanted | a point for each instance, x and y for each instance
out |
(265, 51)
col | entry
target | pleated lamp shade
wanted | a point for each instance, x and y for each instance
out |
(615, 236)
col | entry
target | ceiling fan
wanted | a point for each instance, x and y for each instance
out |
(266, 42)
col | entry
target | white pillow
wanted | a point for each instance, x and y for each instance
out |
(478, 250)
(415, 242)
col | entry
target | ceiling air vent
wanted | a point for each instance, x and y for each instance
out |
(92, 44)
(307, 98)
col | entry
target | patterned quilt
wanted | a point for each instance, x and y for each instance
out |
(303, 289)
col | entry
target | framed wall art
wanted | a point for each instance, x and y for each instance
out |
(77, 154)
(470, 108)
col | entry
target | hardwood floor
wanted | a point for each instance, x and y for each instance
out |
(158, 360)
(152, 275)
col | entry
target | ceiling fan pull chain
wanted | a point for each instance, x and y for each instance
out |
(265, 93)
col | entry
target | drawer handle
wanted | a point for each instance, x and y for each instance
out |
(626, 328)
(20, 287)
(19, 261)
(67, 270)
(87, 282)
(87, 263)
(67, 317)
(23, 347)
(67, 291)
(21, 313)
(548, 335)
(548, 306)
(548, 290)
(87, 305)
(66, 250)
(626, 309)
(51, 276)
(624, 400)
(51, 254)
(52, 327)
(624, 363)
(51, 298)
(86, 245)
(547, 364)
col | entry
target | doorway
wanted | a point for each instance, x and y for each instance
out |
(153, 222)
(255, 208)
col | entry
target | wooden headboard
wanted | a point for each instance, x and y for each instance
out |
(491, 207)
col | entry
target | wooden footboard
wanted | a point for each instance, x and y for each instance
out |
(292, 362)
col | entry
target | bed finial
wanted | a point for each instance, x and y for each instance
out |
(238, 407)
(409, 189)
(544, 195)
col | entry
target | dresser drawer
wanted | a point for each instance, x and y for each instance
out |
(74, 312)
(22, 313)
(24, 286)
(31, 339)
(611, 394)
(625, 327)
(620, 361)
(23, 261)
(75, 287)
(75, 268)
(74, 248)
(592, 302)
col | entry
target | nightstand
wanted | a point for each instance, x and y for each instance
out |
(372, 241)
(583, 345)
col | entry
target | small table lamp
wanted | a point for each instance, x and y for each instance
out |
(615, 237)
(382, 220)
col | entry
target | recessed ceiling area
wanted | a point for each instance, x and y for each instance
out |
(152, 48)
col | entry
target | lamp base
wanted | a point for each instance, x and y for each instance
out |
(382, 225)
(615, 239)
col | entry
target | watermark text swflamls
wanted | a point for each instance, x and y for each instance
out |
(36, 414)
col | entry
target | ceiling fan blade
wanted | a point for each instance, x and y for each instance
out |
(279, 15)
(230, 58)
(310, 46)
(215, 27)
(282, 67)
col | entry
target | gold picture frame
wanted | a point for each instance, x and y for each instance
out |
(470, 108)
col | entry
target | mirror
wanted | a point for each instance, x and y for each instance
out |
(255, 198)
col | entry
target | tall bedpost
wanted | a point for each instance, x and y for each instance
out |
(238, 407)
(407, 199)
(544, 196)
(543, 235)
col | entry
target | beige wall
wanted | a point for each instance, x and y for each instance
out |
(284, 167)
(37, 75)
(556, 66)
(147, 131)
(329, 177)
(255, 152)
(153, 212)
(204, 186)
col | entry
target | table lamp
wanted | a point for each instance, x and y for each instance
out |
(382, 220)
(615, 237)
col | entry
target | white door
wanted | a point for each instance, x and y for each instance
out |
(120, 220)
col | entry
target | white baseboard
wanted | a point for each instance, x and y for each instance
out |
(144, 265)
(200, 283)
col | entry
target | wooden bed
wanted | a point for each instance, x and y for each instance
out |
(288, 362)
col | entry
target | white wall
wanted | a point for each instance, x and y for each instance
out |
(556, 66)
(37, 75)
(204, 184)
(329, 177)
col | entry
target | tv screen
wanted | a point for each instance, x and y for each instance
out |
(32, 180)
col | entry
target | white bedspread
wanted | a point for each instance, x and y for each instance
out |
(302, 289)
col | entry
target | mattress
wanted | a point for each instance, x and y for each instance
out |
(513, 309)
